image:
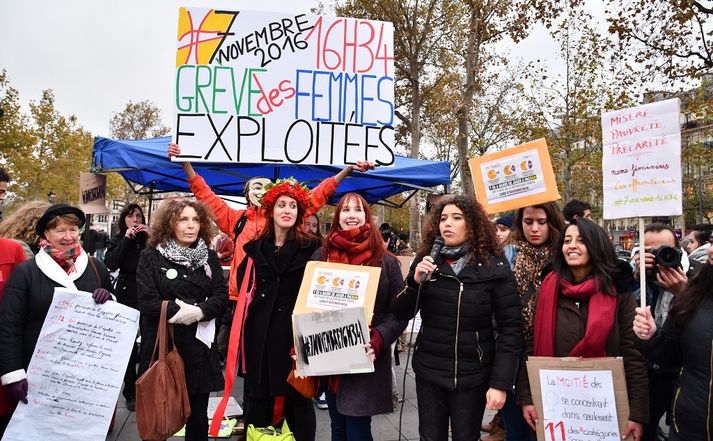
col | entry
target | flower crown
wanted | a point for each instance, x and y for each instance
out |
(290, 187)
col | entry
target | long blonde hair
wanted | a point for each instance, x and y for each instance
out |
(21, 224)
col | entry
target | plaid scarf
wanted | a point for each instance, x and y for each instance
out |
(528, 265)
(350, 246)
(65, 259)
(191, 258)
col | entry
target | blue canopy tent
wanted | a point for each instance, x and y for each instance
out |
(145, 164)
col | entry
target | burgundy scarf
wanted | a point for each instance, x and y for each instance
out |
(600, 320)
(350, 246)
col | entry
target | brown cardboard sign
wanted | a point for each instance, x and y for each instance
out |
(329, 286)
(92, 193)
(579, 398)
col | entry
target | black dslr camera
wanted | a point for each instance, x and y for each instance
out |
(669, 257)
(665, 256)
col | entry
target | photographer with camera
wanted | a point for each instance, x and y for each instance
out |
(667, 272)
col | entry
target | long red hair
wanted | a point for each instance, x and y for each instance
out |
(376, 243)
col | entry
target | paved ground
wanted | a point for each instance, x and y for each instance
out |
(383, 427)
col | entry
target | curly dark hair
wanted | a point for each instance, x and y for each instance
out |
(164, 222)
(480, 235)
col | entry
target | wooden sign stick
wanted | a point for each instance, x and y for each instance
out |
(642, 264)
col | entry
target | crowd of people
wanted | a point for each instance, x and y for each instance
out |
(541, 281)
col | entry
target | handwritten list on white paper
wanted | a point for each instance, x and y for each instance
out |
(76, 370)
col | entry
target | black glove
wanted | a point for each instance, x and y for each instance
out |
(18, 390)
(101, 295)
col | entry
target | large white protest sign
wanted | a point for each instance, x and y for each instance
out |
(265, 87)
(641, 161)
(331, 342)
(579, 405)
(584, 399)
(76, 370)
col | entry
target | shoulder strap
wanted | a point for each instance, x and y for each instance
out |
(239, 225)
(161, 338)
(94, 267)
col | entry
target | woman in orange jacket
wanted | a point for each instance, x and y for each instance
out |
(254, 222)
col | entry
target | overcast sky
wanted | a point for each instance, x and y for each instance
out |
(96, 55)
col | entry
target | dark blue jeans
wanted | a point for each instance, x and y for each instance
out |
(516, 428)
(345, 427)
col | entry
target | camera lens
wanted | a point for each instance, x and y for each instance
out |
(668, 257)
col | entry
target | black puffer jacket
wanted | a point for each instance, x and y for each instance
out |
(692, 347)
(456, 347)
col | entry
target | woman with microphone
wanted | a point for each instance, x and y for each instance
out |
(459, 366)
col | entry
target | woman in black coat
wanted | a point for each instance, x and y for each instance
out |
(279, 257)
(28, 293)
(178, 266)
(460, 367)
(123, 252)
(686, 339)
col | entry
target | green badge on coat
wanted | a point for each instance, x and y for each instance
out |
(171, 274)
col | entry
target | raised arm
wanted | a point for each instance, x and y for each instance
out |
(175, 150)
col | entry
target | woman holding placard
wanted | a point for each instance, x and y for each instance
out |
(536, 230)
(460, 367)
(353, 399)
(686, 339)
(584, 309)
(278, 259)
(178, 266)
(28, 293)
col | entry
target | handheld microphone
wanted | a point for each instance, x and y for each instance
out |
(435, 251)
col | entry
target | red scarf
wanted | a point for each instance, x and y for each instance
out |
(600, 320)
(350, 246)
(65, 259)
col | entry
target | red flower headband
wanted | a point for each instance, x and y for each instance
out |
(290, 187)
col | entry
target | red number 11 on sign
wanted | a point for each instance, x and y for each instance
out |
(551, 427)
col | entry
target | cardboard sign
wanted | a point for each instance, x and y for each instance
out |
(92, 193)
(331, 342)
(641, 161)
(579, 398)
(329, 286)
(264, 87)
(515, 177)
(76, 369)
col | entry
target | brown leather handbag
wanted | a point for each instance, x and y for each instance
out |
(162, 406)
(306, 386)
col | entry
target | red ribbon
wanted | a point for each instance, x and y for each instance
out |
(233, 345)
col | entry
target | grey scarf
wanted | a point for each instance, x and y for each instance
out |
(192, 258)
(459, 254)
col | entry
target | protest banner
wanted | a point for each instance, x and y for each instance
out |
(265, 87)
(332, 342)
(641, 161)
(514, 178)
(330, 286)
(92, 193)
(581, 399)
(641, 166)
(76, 370)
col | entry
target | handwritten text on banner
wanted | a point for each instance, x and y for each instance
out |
(579, 405)
(263, 87)
(641, 161)
(76, 370)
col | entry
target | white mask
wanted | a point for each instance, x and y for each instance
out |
(256, 189)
